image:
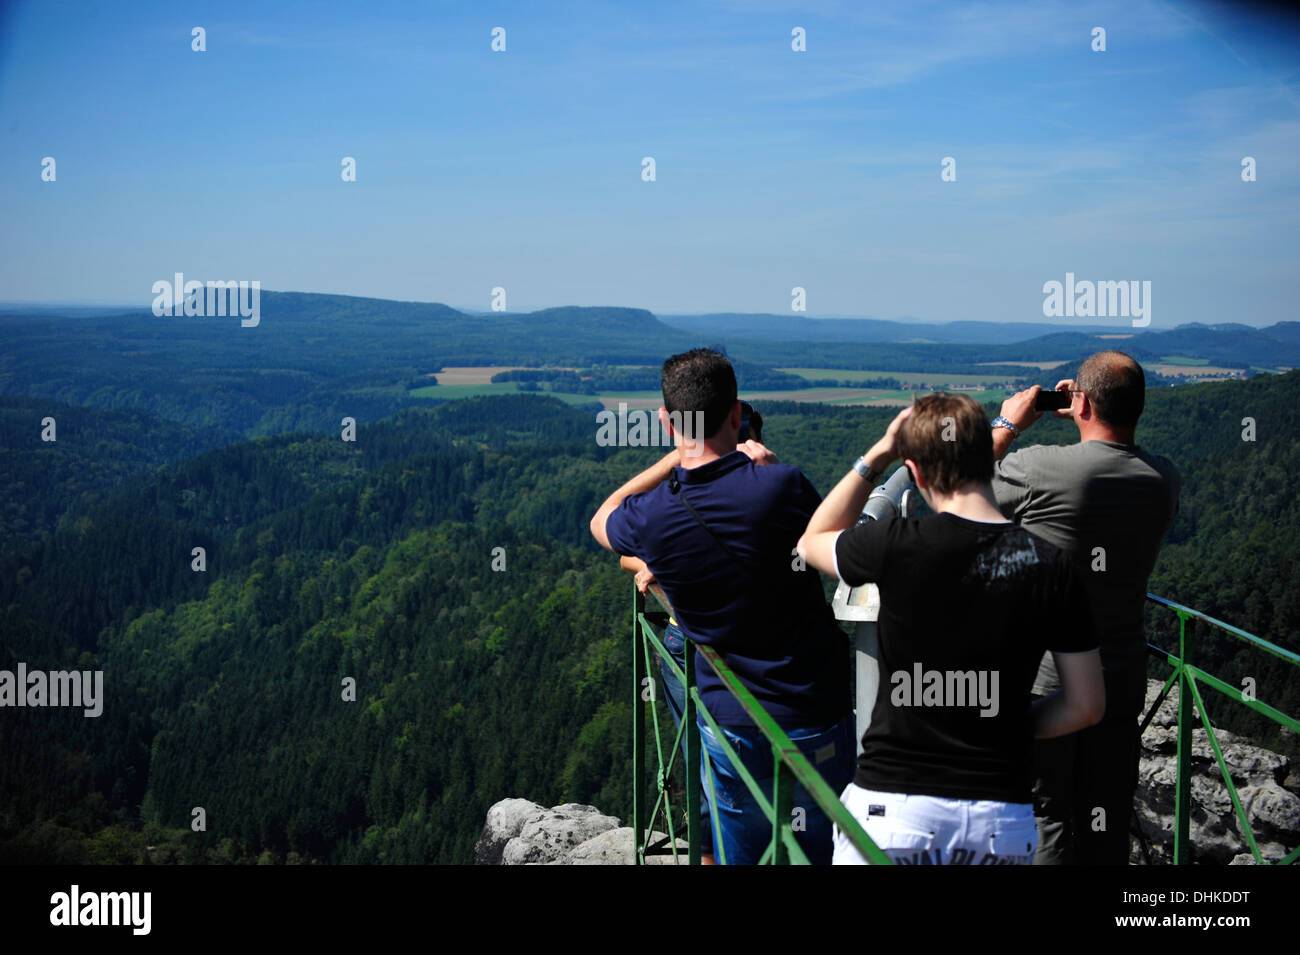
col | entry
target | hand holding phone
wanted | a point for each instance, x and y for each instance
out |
(1052, 400)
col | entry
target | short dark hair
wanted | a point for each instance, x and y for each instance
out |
(948, 437)
(1116, 387)
(700, 380)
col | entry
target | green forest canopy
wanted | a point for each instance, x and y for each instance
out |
(373, 561)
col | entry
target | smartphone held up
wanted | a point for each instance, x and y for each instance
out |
(1052, 400)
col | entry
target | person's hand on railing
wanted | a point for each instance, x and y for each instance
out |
(758, 453)
(641, 573)
(644, 578)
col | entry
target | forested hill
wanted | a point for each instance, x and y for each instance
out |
(800, 328)
(1233, 551)
(312, 360)
(308, 361)
(99, 450)
(442, 562)
(325, 560)
(1232, 344)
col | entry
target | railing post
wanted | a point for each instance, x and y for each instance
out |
(691, 760)
(1186, 703)
(638, 732)
(782, 807)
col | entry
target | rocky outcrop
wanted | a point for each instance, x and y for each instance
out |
(552, 834)
(615, 848)
(504, 821)
(1265, 781)
(520, 832)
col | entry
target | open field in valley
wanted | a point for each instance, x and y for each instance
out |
(652, 399)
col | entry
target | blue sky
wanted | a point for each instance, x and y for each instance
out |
(775, 169)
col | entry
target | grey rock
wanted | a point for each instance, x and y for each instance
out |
(504, 821)
(1271, 852)
(1260, 776)
(552, 834)
(614, 847)
(1274, 806)
(1292, 781)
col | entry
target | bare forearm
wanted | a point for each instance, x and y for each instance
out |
(840, 508)
(1051, 717)
(1002, 440)
(651, 477)
(1081, 701)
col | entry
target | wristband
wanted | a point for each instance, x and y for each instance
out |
(865, 471)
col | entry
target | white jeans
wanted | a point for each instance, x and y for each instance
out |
(930, 830)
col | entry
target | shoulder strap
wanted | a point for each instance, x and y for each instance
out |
(675, 487)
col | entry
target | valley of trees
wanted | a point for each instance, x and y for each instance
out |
(442, 562)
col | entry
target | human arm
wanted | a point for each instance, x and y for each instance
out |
(651, 477)
(1069, 625)
(1002, 440)
(839, 510)
(1079, 703)
(1017, 475)
(1019, 410)
(637, 567)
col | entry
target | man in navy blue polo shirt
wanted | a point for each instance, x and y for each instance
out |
(735, 583)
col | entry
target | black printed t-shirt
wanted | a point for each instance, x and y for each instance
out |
(966, 611)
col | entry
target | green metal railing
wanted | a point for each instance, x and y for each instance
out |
(1188, 677)
(791, 766)
(789, 763)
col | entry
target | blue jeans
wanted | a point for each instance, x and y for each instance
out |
(742, 829)
(675, 697)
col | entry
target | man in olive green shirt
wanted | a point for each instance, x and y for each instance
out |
(1108, 504)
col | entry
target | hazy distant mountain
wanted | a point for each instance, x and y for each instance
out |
(798, 328)
(1288, 332)
(1230, 344)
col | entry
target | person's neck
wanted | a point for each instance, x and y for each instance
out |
(704, 452)
(1095, 430)
(975, 502)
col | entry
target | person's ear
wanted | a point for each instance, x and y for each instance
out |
(666, 422)
(922, 485)
(736, 414)
(917, 477)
